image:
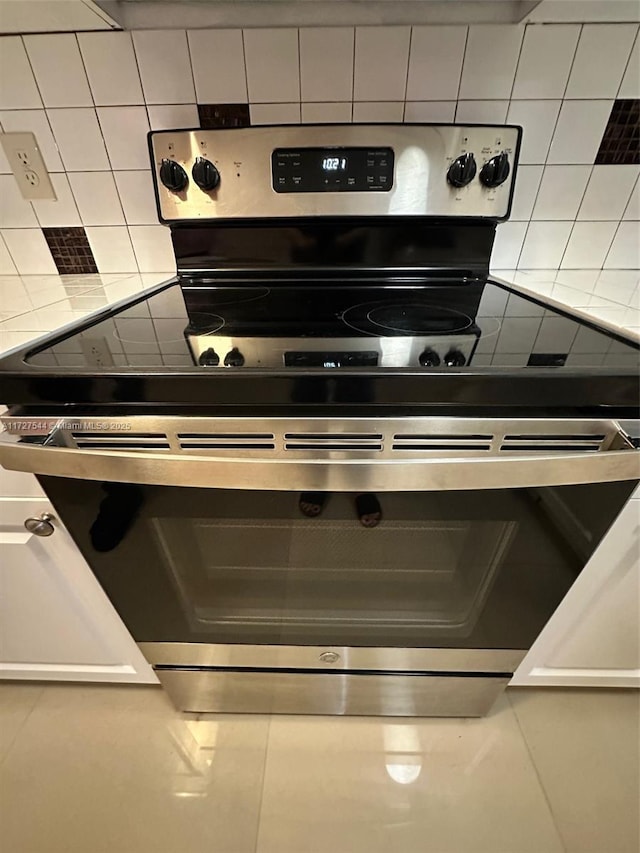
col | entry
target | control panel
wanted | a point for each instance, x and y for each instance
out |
(335, 170)
(434, 351)
(300, 170)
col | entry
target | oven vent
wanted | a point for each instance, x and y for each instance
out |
(332, 441)
(558, 443)
(121, 440)
(440, 442)
(226, 440)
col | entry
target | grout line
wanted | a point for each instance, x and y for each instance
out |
(353, 75)
(537, 772)
(246, 73)
(406, 77)
(14, 739)
(193, 76)
(464, 54)
(264, 779)
(515, 71)
(244, 65)
(626, 67)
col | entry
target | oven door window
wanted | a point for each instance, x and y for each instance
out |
(477, 569)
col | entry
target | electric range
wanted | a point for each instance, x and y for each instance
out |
(332, 332)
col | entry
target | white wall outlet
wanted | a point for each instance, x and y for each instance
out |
(27, 165)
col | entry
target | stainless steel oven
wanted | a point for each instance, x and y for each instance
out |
(333, 330)
(193, 527)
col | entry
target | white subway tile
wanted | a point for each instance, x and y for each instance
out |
(172, 116)
(7, 267)
(112, 249)
(490, 62)
(435, 63)
(29, 251)
(625, 249)
(273, 73)
(538, 119)
(633, 208)
(507, 245)
(545, 60)
(482, 112)
(588, 245)
(125, 135)
(600, 61)
(97, 199)
(153, 248)
(429, 111)
(165, 67)
(15, 211)
(217, 58)
(326, 63)
(526, 188)
(369, 111)
(275, 113)
(608, 192)
(561, 192)
(57, 64)
(630, 86)
(111, 68)
(544, 245)
(62, 212)
(382, 56)
(322, 113)
(36, 122)
(79, 140)
(579, 131)
(136, 194)
(18, 90)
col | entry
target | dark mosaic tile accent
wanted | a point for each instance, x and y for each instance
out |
(71, 250)
(224, 115)
(621, 140)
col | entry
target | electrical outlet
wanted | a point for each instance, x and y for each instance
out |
(96, 352)
(27, 165)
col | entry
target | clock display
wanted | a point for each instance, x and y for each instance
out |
(334, 164)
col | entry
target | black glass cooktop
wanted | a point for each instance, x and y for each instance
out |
(426, 327)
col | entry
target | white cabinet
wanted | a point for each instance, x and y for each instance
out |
(55, 621)
(593, 639)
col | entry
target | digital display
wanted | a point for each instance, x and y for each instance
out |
(335, 170)
(333, 164)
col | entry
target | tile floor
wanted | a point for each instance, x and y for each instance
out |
(110, 769)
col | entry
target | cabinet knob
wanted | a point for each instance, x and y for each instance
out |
(42, 525)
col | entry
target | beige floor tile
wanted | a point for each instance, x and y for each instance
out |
(586, 748)
(346, 785)
(117, 770)
(16, 703)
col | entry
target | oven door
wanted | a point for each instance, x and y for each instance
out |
(240, 601)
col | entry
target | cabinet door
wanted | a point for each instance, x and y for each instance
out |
(55, 620)
(593, 638)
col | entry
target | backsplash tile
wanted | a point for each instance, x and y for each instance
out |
(621, 139)
(572, 87)
(70, 250)
(224, 115)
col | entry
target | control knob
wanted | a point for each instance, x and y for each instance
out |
(454, 358)
(496, 170)
(205, 174)
(429, 358)
(234, 358)
(462, 171)
(173, 176)
(209, 358)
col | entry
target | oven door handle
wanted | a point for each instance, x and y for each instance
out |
(498, 471)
